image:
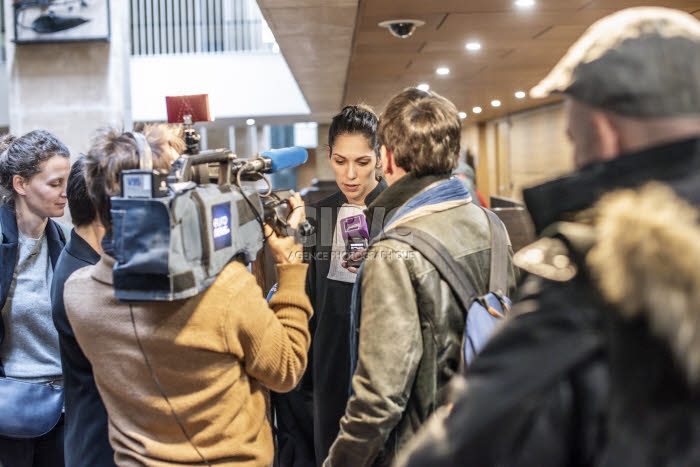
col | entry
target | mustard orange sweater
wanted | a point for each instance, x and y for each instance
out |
(214, 355)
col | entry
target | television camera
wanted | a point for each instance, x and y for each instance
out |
(174, 232)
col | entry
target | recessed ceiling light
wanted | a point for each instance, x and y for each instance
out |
(462, 115)
(524, 3)
(473, 46)
(476, 110)
(443, 70)
(520, 95)
(423, 87)
(250, 122)
(495, 103)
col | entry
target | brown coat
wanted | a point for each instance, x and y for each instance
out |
(214, 356)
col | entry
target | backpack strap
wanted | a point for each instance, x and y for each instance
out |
(435, 252)
(498, 276)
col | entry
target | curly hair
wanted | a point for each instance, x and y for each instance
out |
(113, 151)
(355, 119)
(24, 156)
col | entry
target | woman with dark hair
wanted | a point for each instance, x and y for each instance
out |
(353, 153)
(33, 174)
(308, 418)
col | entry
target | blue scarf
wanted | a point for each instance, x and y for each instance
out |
(450, 190)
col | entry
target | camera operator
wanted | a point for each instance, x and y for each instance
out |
(86, 442)
(186, 381)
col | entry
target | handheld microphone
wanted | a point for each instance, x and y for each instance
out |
(356, 236)
(274, 160)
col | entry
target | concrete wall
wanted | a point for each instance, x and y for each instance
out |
(72, 88)
(4, 111)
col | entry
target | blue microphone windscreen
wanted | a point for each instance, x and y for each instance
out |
(286, 157)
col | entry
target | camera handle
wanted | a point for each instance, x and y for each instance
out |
(192, 138)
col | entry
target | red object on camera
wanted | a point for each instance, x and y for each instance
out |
(194, 105)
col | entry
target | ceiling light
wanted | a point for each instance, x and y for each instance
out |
(524, 3)
(250, 122)
(473, 46)
(520, 95)
(495, 103)
(423, 87)
(476, 110)
(462, 115)
(443, 70)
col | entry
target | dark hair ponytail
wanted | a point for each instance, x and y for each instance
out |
(355, 119)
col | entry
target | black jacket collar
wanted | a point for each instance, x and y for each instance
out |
(9, 224)
(80, 249)
(677, 164)
(374, 194)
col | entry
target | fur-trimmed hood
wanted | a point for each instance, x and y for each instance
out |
(646, 262)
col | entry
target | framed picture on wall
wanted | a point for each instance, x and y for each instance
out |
(60, 20)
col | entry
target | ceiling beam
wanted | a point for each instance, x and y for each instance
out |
(315, 37)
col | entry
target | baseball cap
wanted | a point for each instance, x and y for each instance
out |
(642, 61)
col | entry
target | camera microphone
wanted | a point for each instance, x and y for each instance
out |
(274, 160)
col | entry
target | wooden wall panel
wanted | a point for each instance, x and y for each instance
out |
(520, 150)
(540, 149)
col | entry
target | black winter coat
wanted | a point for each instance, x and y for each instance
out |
(576, 378)
(86, 442)
(310, 415)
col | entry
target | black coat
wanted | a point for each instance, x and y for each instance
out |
(330, 361)
(309, 418)
(568, 381)
(86, 441)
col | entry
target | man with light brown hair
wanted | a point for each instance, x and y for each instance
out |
(410, 323)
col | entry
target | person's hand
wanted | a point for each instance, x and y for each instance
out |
(286, 250)
(356, 257)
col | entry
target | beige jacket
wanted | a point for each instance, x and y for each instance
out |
(215, 356)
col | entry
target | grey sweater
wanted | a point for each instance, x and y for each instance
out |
(30, 349)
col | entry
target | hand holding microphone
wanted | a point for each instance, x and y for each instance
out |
(356, 236)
